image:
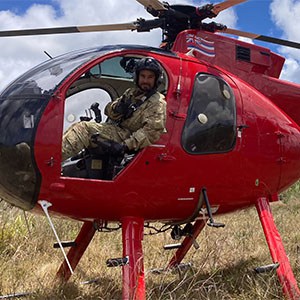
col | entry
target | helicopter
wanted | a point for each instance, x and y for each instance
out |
(227, 109)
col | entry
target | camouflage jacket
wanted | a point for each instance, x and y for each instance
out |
(146, 124)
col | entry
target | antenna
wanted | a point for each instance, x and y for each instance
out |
(48, 54)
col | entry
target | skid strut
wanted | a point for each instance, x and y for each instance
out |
(133, 270)
(75, 253)
(186, 244)
(190, 239)
(284, 270)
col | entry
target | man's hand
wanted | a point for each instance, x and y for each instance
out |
(117, 148)
(122, 106)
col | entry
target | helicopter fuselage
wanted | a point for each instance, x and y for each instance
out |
(221, 134)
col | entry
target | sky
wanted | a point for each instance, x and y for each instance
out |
(277, 18)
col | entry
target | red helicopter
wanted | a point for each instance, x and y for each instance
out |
(228, 113)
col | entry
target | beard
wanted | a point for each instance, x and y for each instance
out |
(145, 87)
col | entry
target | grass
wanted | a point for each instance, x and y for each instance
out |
(222, 268)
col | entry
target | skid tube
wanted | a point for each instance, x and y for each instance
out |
(284, 271)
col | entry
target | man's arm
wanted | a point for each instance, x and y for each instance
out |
(115, 110)
(154, 121)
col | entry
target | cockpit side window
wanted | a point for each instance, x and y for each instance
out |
(102, 83)
(211, 119)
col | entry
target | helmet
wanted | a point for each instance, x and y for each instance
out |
(148, 63)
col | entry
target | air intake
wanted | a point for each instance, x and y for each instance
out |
(243, 53)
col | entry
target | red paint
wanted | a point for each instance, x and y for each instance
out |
(264, 161)
(284, 271)
(133, 272)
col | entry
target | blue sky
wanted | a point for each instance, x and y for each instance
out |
(277, 18)
(20, 6)
(253, 15)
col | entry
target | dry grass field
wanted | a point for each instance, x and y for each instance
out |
(222, 268)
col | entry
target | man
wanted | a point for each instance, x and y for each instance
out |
(136, 119)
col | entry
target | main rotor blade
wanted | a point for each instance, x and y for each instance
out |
(226, 4)
(154, 4)
(59, 30)
(263, 38)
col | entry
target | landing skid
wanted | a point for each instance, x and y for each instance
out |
(284, 270)
(280, 260)
(132, 261)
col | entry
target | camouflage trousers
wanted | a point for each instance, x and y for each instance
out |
(78, 136)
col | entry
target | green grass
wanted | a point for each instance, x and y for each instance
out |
(222, 268)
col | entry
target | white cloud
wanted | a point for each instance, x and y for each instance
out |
(286, 15)
(227, 17)
(291, 70)
(246, 40)
(18, 54)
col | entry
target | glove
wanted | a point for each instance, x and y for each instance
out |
(122, 106)
(118, 149)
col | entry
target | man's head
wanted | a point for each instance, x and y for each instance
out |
(146, 80)
(147, 73)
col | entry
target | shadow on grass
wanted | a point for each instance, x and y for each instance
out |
(238, 281)
(102, 288)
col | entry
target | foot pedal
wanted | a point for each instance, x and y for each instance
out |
(158, 271)
(196, 245)
(172, 246)
(65, 244)
(117, 262)
(267, 268)
(91, 281)
(181, 267)
(216, 225)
